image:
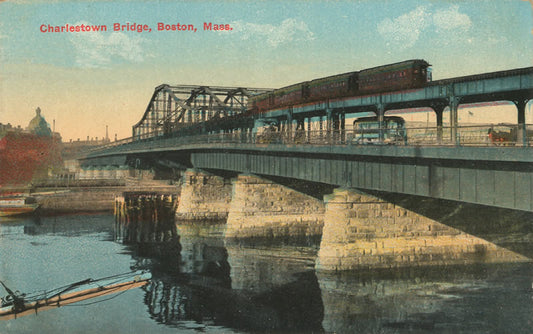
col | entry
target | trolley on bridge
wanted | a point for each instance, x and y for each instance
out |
(366, 130)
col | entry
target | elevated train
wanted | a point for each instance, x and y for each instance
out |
(408, 74)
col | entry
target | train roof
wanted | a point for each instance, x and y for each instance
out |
(397, 66)
(330, 78)
(290, 88)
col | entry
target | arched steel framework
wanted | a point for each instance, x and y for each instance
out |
(175, 107)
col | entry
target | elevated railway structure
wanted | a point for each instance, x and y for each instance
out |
(454, 162)
(515, 86)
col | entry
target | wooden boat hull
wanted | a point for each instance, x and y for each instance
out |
(87, 291)
(18, 210)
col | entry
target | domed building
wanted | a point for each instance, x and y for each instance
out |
(39, 126)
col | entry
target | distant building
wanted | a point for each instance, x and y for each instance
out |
(39, 126)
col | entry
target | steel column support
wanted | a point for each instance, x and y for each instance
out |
(336, 126)
(454, 107)
(439, 109)
(195, 106)
(329, 124)
(343, 126)
(321, 128)
(521, 135)
(289, 125)
(381, 120)
(209, 113)
(309, 129)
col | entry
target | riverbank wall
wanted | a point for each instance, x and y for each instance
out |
(96, 197)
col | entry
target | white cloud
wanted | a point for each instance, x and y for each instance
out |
(98, 49)
(404, 31)
(450, 19)
(288, 31)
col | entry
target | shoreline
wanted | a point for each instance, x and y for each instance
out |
(86, 196)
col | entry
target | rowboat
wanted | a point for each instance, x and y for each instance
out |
(17, 205)
(16, 305)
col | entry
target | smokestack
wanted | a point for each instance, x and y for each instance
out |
(106, 133)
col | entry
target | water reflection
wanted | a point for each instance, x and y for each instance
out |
(203, 252)
(292, 307)
(68, 225)
(239, 287)
(475, 299)
(203, 279)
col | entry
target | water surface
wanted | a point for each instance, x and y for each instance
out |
(202, 283)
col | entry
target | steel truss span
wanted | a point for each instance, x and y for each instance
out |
(176, 107)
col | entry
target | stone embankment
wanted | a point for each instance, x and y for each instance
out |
(96, 197)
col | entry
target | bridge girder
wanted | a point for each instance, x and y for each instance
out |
(174, 107)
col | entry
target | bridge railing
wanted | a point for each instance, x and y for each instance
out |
(471, 135)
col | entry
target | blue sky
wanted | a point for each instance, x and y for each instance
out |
(85, 81)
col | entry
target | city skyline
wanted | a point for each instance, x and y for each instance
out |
(86, 80)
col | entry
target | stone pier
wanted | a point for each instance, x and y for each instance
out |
(204, 197)
(362, 232)
(261, 208)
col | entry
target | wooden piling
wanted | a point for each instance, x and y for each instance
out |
(144, 217)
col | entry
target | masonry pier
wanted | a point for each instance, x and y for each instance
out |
(261, 208)
(204, 197)
(363, 232)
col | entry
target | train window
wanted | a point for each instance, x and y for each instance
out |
(429, 74)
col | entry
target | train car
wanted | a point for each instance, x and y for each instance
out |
(333, 86)
(289, 95)
(403, 75)
(258, 104)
